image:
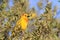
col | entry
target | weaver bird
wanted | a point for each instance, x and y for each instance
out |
(23, 21)
(21, 24)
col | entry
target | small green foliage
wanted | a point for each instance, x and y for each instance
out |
(43, 27)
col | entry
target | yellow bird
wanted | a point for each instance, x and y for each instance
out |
(23, 21)
(21, 24)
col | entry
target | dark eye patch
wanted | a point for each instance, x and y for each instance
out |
(25, 15)
(28, 16)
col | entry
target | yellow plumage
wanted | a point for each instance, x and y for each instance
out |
(21, 24)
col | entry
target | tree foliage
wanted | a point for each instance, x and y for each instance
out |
(42, 27)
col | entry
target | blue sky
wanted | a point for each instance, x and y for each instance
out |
(33, 3)
(10, 3)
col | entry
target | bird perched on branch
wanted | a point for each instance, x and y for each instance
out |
(21, 24)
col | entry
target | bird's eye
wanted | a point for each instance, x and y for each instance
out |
(25, 15)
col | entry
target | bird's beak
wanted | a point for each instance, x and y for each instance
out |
(28, 16)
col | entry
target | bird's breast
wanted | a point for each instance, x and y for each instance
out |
(26, 19)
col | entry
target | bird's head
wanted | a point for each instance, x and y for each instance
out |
(25, 15)
(29, 16)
